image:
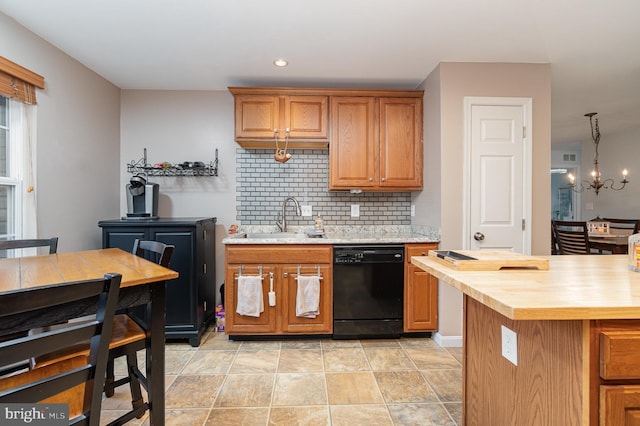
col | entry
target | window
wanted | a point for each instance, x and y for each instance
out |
(10, 182)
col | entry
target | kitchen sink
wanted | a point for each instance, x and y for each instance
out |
(278, 235)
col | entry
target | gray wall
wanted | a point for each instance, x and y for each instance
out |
(78, 140)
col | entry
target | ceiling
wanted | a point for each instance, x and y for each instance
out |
(593, 46)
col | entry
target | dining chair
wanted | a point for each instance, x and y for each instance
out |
(76, 381)
(127, 338)
(631, 226)
(572, 237)
(52, 243)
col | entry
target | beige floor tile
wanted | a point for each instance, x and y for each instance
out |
(193, 391)
(246, 390)
(404, 386)
(307, 416)
(174, 361)
(210, 362)
(301, 344)
(382, 359)
(107, 416)
(456, 353)
(255, 362)
(353, 388)
(455, 411)
(446, 383)
(294, 360)
(360, 415)
(380, 343)
(238, 417)
(420, 415)
(412, 342)
(219, 342)
(185, 417)
(300, 389)
(345, 359)
(332, 344)
(427, 358)
(260, 346)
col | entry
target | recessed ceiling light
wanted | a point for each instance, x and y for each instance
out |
(280, 62)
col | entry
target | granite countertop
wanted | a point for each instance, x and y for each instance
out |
(385, 234)
(574, 287)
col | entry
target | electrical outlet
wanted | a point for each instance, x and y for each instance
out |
(355, 210)
(413, 210)
(306, 211)
(510, 345)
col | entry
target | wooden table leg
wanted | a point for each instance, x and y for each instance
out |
(155, 354)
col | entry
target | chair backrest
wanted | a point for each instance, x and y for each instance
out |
(158, 252)
(52, 243)
(78, 381)
(627, 226)
(554, 240)
(572, 237)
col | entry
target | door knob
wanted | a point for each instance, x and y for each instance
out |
(478, 236)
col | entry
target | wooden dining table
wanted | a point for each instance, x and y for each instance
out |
(614, 243)
(143, 283)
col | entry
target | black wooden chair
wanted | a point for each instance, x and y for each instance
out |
(572, 237)
(76, 381)
(52, 243)
(127, 338)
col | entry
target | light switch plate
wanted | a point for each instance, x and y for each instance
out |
(307, 211)
(355, 210)
(509, 345)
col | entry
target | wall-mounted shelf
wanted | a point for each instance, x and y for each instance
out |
(167, 169)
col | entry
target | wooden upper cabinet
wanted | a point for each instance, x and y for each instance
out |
(353, 154)
(258, 115)
(376, 143)
(401, 143)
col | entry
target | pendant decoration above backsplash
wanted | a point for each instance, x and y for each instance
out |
(281, 155)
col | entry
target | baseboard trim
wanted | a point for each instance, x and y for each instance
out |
(447, 341)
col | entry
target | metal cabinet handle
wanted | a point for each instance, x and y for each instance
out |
(285, 275)
(383, 179)
(478, 236)
(370, 179)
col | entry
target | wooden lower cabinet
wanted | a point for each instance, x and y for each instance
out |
(420, 292)
(284, 262)
(615, 373)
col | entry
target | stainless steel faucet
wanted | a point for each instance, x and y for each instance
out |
(283, 224)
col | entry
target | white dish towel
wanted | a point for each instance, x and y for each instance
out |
(250, 297)
(308, 296)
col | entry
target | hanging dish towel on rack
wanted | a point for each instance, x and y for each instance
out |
(308, 296)
(250, 300)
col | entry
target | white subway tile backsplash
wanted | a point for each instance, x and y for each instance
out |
(263, 184)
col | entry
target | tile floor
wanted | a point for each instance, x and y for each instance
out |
(408, 381)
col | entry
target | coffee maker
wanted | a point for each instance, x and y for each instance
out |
(142, 198)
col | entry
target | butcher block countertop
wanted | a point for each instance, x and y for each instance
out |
(574, 287)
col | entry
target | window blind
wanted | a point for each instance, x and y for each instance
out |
(18, 82)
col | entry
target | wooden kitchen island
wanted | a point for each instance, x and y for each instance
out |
(578, 342)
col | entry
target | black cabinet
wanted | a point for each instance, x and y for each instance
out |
(191, 298)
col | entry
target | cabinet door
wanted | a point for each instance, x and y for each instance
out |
(122, 238)
(420, 293)
(307, 116)
(322, 323)
(256, 116)
(620, 405)
(241, 324)
(181, 292)
(353, 151)
(401, 143)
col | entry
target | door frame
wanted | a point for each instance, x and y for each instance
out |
(527, 172)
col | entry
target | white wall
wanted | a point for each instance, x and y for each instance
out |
(78, 140)
(447, 86)
(178, 126)
(616, 151)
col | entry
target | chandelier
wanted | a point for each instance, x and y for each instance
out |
(597, 182)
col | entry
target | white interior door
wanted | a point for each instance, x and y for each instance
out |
(499, 177)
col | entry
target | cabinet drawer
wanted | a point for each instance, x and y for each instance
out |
(419, 250)
(620, 355)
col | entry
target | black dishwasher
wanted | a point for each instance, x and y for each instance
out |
(368, 287)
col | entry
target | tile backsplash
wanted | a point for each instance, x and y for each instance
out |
(264, 183)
